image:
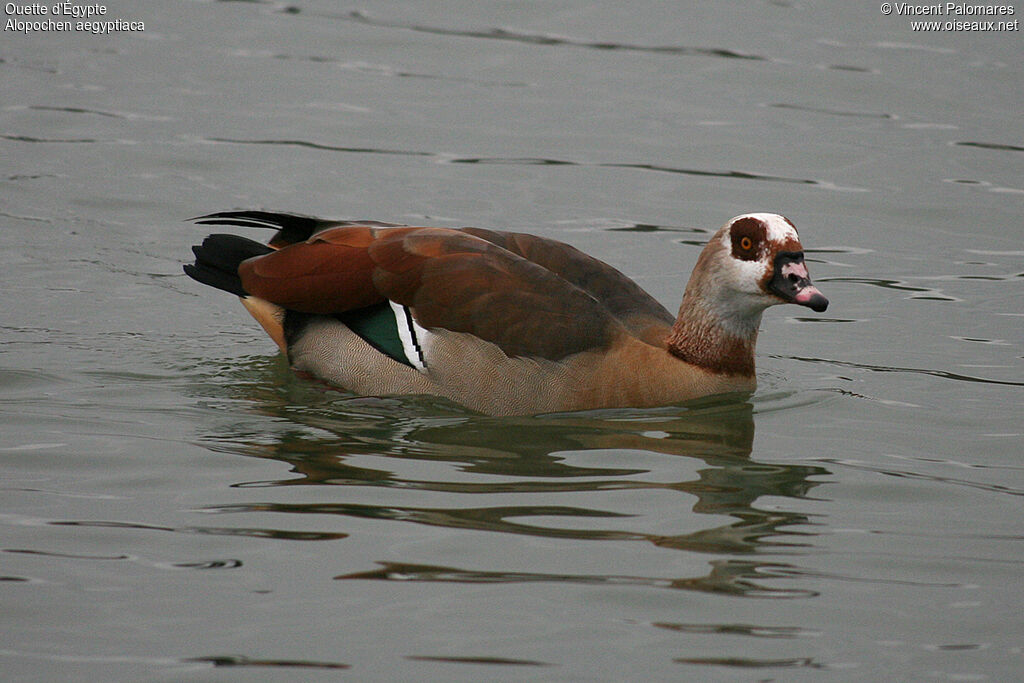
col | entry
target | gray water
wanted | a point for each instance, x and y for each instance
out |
(177, 506)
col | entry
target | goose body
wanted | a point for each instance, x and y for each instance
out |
(503, 323)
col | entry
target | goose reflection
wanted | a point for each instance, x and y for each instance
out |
(362, 442)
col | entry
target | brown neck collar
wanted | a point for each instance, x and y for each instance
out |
(701, 340)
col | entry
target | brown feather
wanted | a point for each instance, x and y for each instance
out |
(306, 276)
(449, 278)
(270, 317)
(637, 310)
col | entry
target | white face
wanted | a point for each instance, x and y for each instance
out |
(745, 263)
(767, 234)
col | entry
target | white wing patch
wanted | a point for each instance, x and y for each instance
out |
(413, 337)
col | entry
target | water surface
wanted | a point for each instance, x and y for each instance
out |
(177, 505)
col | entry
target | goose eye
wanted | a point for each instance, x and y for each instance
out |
(747, 236)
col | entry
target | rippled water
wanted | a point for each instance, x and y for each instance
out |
(176, 503)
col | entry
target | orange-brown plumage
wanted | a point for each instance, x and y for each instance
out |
(452, 279)
(504, 322)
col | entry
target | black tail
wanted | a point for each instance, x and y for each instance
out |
(218, 258)
(291, 228)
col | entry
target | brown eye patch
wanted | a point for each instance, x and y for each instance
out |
(748, 235)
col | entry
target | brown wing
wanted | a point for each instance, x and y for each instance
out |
(450, 279)
(637, 310)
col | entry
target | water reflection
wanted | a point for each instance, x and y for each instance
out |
(729, 174)
(729, 577)
(748, 663)
(358, 442)
(479, 660)
(239, 661)
(544, 39)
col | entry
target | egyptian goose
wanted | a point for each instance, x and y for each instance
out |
(503, 323)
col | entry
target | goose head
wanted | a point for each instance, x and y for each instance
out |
(752, 262)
